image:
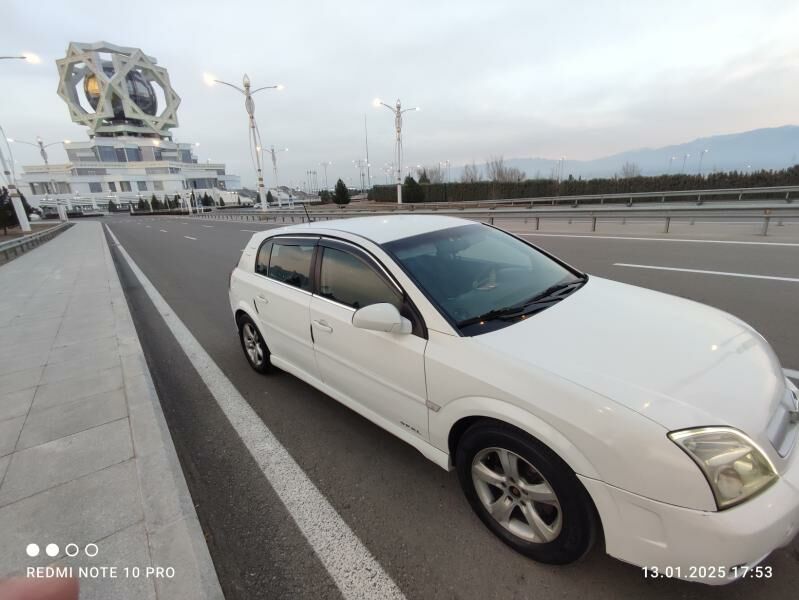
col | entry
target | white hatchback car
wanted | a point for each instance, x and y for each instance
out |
(572, 407)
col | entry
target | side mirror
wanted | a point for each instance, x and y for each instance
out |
(381, 317)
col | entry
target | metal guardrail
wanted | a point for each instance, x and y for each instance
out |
(593, 215)
(11, 249)
(783, 193)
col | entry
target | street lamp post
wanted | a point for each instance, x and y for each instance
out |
(685, 158)
(325, 165)
(273, 153)
(27, 57)
(361, 164)
(254, 133)
(39, 143)
(398, 112)
(671, 160)
(701, 156)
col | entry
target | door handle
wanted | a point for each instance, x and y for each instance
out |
(323, 326)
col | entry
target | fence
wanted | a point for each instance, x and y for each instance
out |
(13, 248)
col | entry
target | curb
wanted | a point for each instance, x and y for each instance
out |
(175, 537)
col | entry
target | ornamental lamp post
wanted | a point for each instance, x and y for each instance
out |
(398, 112)
(254, 133)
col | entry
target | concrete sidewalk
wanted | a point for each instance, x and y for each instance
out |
(85, 453)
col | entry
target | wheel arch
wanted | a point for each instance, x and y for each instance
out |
(453, 421)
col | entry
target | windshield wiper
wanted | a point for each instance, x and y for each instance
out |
(534, 304)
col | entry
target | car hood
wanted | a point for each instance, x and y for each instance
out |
(675, 361)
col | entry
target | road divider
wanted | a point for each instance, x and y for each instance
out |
(351, 565)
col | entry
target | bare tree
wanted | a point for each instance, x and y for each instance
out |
(471, 173)
(497, 171)
(630, 169)
(434, 174)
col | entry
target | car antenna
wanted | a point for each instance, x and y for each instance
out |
(305, 208)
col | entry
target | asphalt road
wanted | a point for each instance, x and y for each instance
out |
(409, 513)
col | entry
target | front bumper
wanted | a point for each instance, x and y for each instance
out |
(692, 544)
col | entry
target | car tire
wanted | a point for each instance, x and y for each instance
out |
(252, 343)
(538, 507)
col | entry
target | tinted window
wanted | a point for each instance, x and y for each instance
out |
(349, 280)
(262, 260)
(291, 264)
(473, 270)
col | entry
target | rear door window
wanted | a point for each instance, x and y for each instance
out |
(290, 263)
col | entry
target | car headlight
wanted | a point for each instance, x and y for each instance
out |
(734, 466)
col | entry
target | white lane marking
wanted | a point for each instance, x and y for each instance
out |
(792, 373)
(147, 226)
(704, 272)
(208, 226)
(163, 231)
(250, 230)
(184, 223)
(646, 239)
(188, 237)
(355, 571)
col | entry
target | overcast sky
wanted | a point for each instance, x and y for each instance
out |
(581, 79)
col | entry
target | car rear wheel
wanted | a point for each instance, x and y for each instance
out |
(525, 494)
(255, 349)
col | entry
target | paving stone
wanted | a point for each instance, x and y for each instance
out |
(125, 549)
(9, 433)
(67, 458)
(80, 511)
(4, 460)
(16, 404)
(20, 380)
(96, 347)
(73, 389)
(72, 417)
(79, 367)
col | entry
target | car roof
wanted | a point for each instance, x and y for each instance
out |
(380, 229)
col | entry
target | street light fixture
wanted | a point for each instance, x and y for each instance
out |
(28, 57)
(39, 143)
(254, 133)
(398, 112)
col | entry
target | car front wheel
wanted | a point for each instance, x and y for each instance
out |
(525, 494)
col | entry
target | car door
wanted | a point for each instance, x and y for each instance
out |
(283, 298)
(382, 372)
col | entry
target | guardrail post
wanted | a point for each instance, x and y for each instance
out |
(537, 223)
(593, 223)
(766, 221)
(668, 224)
(788, 197)
(630, 201)
(699, 200)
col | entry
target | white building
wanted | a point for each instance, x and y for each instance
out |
(125, 169)
(129, 106)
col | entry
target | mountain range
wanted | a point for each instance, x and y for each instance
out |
(767, 148)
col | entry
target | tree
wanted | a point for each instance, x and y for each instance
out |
(167, 202)
(630, 169)
(112, 206)
(471, 174)
(206, 200)
(269, 198)
(423, 178)
(221, 200)
(177, 200)
(341, 196)
(431, 174)
(324, 196)
(155, 203)
(142, 205)
(497, 171)
(412, 192)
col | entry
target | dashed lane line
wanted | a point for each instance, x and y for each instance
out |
(188, 237)
(163, 231)
(354, 569)
(650, 239)
(704, 272)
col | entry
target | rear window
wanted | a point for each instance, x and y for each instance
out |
(291, 264)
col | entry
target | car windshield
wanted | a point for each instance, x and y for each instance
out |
(481, 277)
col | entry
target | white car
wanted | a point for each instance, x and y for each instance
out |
(572, 407)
